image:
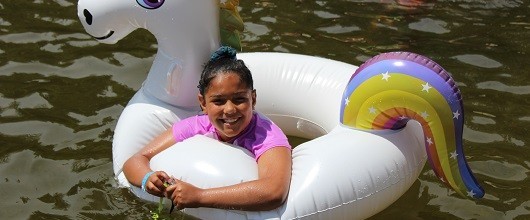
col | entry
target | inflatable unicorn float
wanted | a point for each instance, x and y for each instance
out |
(371, 128)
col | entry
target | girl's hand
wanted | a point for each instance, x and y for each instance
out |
(155, 183)
(183, 195)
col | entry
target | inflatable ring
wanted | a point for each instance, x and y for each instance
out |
(372, 128)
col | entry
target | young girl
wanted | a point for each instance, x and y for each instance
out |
(227, 97)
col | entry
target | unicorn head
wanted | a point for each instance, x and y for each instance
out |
(171, 22)
(187, 31)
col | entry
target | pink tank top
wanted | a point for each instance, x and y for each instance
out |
(260, 135)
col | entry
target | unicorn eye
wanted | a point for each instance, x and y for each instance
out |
(150, 4)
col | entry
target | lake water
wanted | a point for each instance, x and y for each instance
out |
(61, 93)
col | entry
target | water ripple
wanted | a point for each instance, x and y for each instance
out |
(430, 25)
(501, 170)
(501, 87)
(481, 137)
(61, 93)
(478, 60)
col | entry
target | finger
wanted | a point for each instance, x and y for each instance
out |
(163, 175)
(152, 189)
(172, 180)
(158, 185)
(179, 207)
(161, 183)
(171, 188)
(168, 191)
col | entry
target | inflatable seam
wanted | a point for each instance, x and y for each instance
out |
(300, 118)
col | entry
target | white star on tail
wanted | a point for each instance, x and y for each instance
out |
(372, 110)
(426, 87)
(347, 101)
(454, 155)
(456, 114)
(471, 193)
(424, 114)
(429, 140)
(386, 76)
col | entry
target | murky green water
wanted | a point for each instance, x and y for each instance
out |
(61, 93)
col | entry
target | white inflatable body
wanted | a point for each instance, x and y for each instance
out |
(342, 173)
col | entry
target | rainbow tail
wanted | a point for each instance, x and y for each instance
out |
(392, 88)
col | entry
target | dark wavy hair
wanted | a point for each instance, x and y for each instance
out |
(224, 61)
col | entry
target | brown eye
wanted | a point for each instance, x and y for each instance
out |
(240, 100)
(218, 101)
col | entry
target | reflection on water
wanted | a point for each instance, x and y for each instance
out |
(61, 93)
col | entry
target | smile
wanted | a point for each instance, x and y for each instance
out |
(104, 37)
(230, 120)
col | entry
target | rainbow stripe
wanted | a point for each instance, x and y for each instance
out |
(393, 88)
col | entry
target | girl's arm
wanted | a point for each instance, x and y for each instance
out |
(136, 167)
(268, 192)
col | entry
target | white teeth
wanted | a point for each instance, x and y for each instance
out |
(230, 120)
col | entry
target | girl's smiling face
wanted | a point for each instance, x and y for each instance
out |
(229, 104)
